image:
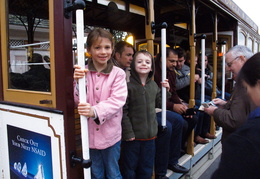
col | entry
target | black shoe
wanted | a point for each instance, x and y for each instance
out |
(177, 168)
(200, 140)
(161, 177)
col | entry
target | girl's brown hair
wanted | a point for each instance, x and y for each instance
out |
(98, 33)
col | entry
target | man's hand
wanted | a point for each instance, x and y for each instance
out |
(179, 108)
(210, 110)
(219, 102)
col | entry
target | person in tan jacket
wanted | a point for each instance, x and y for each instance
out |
(231, 114)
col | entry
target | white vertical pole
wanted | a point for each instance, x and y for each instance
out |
(223, 70)
(202, 70)
(163, 46)
(82, 88)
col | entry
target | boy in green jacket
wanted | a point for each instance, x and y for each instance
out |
(139, 124)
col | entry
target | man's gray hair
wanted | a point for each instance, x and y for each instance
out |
(240, 50)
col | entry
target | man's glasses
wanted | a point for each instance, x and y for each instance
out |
(229, 64)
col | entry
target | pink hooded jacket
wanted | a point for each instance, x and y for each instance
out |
(107, 93)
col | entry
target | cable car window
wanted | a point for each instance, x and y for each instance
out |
(256, 47)
(241, 39)
(250, 43)
(29, 54)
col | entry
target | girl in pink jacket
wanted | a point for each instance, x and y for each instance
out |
(106, 95)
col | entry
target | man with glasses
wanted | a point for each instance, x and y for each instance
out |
(231, 114)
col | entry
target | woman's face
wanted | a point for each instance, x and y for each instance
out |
(254, 92)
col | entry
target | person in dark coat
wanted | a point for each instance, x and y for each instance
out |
(241, 155)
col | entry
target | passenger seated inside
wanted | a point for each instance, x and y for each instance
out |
(174, 103)
(183, 90)
(37, 78)
(169, 142)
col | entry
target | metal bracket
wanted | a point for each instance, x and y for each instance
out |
(74, 160)
(222, 43)
(69, 7)
(210, 155)
(202, 36)
(158, 26)
(162, 129)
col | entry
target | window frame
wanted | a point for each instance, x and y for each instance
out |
(26, 96)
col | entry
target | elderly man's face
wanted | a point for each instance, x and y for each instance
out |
(234, 63)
